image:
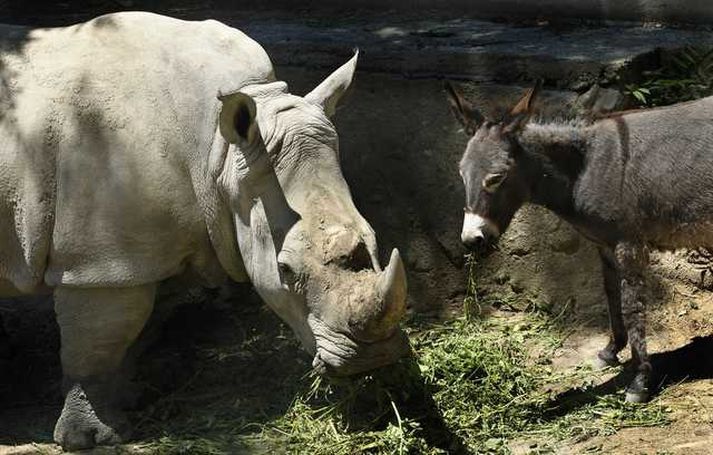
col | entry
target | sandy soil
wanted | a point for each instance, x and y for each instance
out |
(680, 339)
(258, 353)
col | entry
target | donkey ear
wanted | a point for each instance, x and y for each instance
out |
(520, 114)
(466, 114)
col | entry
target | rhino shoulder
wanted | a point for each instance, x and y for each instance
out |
(205, 39)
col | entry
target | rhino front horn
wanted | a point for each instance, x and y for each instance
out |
(391, 288)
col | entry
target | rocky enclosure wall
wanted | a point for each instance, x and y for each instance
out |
(400, 148)
(680, 11)
(400, 145)
(696, 11)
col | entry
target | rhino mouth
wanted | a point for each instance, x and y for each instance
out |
(338, 354)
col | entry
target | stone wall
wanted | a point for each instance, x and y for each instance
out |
(401, 146)
(680, 11)
(695, 11)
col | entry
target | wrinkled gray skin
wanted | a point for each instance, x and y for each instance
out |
(137, 147)
(630, 182)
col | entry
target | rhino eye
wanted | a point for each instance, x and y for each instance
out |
(287, 275)
(491, 182)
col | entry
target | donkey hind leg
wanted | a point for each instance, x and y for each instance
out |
(632, 259)
(96, 326)
(612, 287)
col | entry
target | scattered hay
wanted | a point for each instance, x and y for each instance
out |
(474, 386)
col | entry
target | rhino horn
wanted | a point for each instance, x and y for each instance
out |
(391, 288)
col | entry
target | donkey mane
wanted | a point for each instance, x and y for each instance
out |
(554, 156)
(561, 143)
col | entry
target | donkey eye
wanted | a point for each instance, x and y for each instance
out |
(491, 182)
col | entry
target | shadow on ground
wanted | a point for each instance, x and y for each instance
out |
(688, 363)
(218, 357)
(211, 368)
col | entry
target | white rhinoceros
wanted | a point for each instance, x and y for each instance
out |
(135, 147)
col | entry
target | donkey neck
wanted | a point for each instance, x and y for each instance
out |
(553, 157)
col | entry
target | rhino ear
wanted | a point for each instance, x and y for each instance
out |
(332, 89)
(237, 117)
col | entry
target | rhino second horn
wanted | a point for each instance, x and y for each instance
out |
(391, 286)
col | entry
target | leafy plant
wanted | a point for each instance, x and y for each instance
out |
(685, 75)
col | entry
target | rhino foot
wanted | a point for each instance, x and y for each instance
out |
(84, 425)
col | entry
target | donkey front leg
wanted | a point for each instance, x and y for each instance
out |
(97, 326)
(612, 287)
(631, 261)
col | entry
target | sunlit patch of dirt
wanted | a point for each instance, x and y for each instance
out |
(689, 433)
(680, 341)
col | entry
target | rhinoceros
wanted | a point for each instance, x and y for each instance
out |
(137, 147)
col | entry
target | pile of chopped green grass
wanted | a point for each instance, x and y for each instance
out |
(485, 387)
(475, 385)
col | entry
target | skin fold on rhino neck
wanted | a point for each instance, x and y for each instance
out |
(308, 251)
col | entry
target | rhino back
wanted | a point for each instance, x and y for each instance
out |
(121, 113)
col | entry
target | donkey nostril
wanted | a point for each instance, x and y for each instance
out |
(474, 243)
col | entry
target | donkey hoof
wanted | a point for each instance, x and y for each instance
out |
(605, 359)
(637, 394)
(641, 396)
(638, 389)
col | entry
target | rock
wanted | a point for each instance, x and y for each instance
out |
(598, 100)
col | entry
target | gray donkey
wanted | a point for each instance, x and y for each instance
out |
(630, 181)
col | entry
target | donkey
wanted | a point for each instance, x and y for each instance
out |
(630, 182)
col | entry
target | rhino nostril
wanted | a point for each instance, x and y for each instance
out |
(357, 259)
(318, 364)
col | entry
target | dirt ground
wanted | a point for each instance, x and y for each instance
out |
(221, 358)
(680, 340)
(218, 359)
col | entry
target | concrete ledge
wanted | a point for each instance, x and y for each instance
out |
(443, 45)
(461, 48)
(679, 11)
(640, 11)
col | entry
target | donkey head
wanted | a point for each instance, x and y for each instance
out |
(495, 186)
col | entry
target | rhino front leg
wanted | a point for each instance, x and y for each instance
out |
(612, 288)
(631, 261)
(97, 326)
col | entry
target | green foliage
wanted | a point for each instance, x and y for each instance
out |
(605, 415)
(685, 75)
(476, 383)
(486, 386)
(306, 429)
(482, 378)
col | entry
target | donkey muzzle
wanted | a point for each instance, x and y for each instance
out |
(478, 232)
